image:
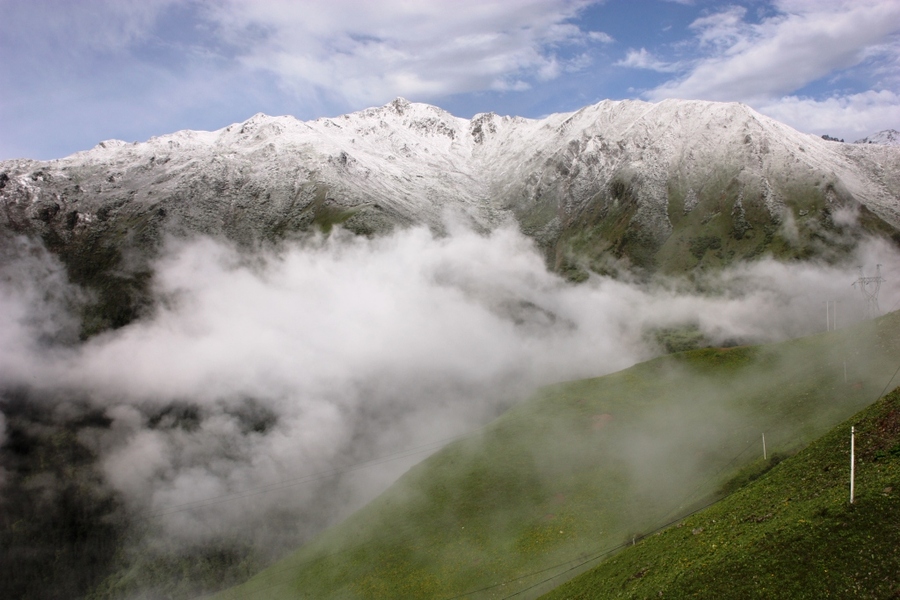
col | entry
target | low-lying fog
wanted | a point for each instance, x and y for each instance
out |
(270, 385)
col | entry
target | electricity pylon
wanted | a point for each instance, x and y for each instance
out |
(869, 287)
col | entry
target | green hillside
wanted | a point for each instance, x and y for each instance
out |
(585, 466)
(791, 534)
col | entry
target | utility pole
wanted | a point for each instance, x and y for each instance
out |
(831, 315)
(852, 460)
(869, 287)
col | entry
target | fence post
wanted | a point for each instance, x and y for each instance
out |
(852, 461)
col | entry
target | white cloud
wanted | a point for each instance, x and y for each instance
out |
(351, 50)
(850, 117)
(804, 42)
(723, 28)
(600, 36)
(365, 52)
(642, 59)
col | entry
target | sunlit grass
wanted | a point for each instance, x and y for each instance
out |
(790, 534)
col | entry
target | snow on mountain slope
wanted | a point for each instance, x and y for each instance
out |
(552, 173)
(888, 137)
(631, 178)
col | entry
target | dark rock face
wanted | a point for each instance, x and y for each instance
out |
(55, 509)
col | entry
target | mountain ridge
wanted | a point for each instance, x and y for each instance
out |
(474, 156)
(673, 186)
(887, 137)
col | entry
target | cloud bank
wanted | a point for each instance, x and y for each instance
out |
(853, 116)
(796, 43)
(259, 374)
(780, 54)
(355, 52)
(362, 52)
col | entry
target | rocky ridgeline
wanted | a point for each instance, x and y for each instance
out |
(668, 187)
(888, 137)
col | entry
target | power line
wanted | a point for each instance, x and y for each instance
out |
(503, 583)
(600, 554)
(713, 478)
(614, 548)
(888, 384)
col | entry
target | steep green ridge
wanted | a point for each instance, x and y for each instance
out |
(726, 222)
(585, 466)
(791, 534)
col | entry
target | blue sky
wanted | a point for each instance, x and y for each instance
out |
(76, 72)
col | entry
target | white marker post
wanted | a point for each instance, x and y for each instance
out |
(765, 456)
(852, 461)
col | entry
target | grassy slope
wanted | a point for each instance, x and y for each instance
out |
(584, 466)
(791, 534)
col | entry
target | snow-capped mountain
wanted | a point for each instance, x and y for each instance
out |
(668, 186)
(408, 163)
(888, 137)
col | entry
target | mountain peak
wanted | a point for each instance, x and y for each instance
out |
(106, 144)
(399, 104)
(887, 137)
